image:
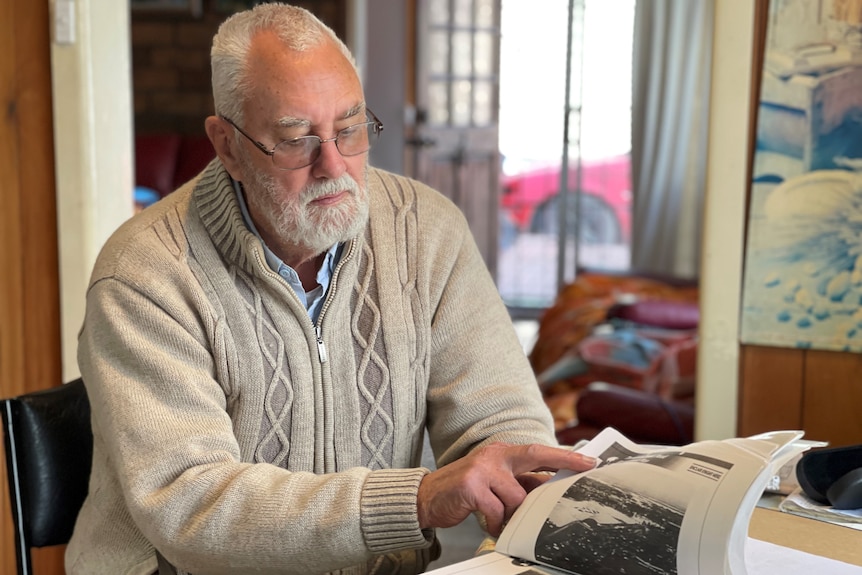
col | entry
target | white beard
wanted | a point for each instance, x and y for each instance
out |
(299, 223)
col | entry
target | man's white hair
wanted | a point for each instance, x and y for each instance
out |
(298, 28)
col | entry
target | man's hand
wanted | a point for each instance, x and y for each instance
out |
(492, 480)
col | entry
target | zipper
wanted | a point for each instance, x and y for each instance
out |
(318, 331)
(321, 347)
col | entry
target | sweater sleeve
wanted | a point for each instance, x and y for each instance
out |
(482, 388)
(161, 420)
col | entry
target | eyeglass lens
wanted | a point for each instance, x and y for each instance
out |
(302, 151)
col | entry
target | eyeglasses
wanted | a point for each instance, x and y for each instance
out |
(303, 151)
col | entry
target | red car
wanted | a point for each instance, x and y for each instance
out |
(530, 200)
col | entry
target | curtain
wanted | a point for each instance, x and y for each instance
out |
(670, 114)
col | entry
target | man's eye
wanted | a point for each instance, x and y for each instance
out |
(296, 143)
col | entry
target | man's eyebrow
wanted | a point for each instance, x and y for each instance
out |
(355, 110)
(292, 122)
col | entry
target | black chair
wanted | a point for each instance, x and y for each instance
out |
(49, 449)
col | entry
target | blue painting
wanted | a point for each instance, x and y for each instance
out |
(803, 262)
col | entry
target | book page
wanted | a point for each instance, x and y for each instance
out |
(644, 509)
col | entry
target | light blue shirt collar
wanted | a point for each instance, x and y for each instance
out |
(312, 300)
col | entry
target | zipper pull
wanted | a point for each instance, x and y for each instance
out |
(321, 347)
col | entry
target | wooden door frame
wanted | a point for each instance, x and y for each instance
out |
(29, 282)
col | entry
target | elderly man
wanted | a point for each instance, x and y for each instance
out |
(265, 349)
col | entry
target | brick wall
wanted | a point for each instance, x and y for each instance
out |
(170, 65)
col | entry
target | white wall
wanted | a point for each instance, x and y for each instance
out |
(93, 147)
(724, 221)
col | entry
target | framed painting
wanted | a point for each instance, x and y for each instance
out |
(803, 261)
(188, 7)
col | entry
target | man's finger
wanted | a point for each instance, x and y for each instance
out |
(494, 512)
(509, 491)
(526, 458)
(530, 481)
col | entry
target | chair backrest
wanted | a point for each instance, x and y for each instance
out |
(49, 449)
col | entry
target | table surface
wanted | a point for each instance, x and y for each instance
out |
(809, 535)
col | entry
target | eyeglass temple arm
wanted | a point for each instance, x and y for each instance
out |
(257, 144)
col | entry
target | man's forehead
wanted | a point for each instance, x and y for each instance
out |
(316, 86)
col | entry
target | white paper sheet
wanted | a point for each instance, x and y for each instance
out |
(761, 558)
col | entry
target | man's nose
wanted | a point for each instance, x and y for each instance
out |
(329, 163)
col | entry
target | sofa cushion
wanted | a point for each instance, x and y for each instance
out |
(641, 416)
(659, 313)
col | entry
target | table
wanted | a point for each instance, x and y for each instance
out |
(808, 535)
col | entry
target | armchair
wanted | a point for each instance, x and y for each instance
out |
(49, 449)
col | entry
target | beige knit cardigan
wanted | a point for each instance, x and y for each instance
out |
(235, 436)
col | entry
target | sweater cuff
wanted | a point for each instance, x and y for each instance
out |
(390, 520)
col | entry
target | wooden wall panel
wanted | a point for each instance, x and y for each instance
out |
(832, 400)
(771, 389)
(29, 281)
(787, 388)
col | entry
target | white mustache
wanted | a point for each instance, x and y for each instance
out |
(321, 189)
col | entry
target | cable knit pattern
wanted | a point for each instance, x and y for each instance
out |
(223, 440)
(374, 382)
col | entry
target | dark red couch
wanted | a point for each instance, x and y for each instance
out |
(642, 417)
(163, 162)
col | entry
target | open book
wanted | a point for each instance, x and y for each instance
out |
(644, 509)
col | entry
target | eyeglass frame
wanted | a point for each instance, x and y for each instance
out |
(374, 121)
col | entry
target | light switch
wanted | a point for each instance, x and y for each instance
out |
(64, 22)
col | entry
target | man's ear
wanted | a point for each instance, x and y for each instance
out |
(221, 136)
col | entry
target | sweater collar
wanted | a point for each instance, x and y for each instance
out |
(215, 199)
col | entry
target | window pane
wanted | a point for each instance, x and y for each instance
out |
(482, 103)
(463, 13)
(438, 52)
(462, 95)
(438, 103)
(438, 12)
(532, 75)
(483, 61)
(462, 54)
(484, 13)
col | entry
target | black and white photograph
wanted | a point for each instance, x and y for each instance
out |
(615, 453)
(620, 519)
(674, 460)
